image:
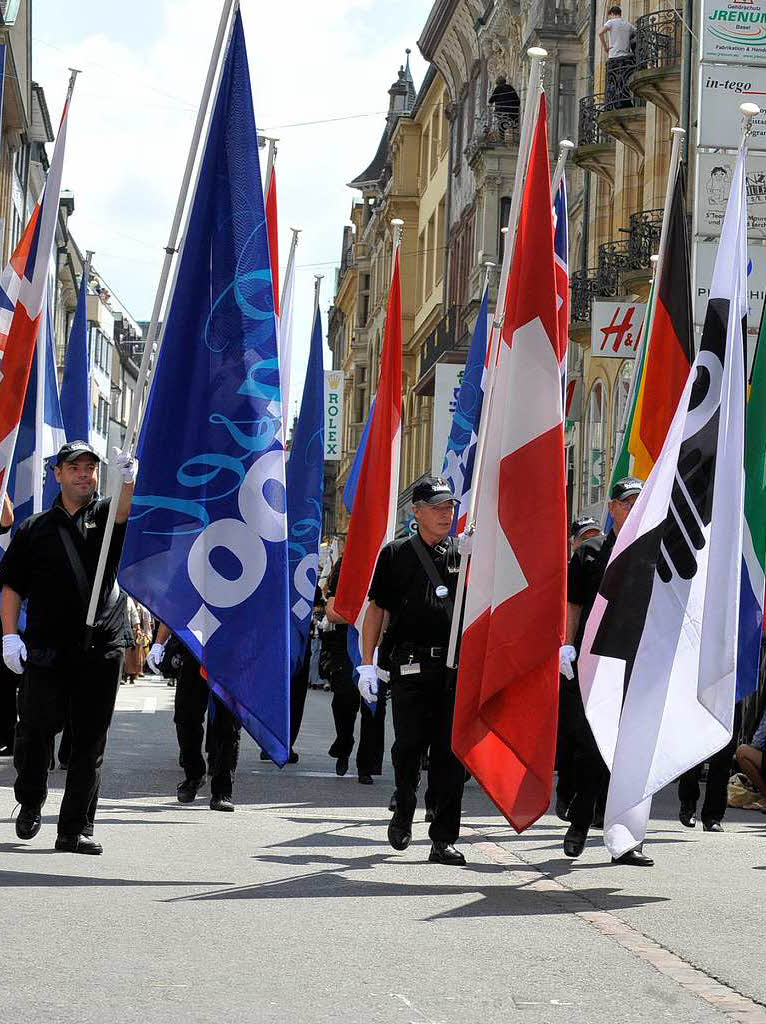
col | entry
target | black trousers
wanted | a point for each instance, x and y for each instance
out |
(566, 743)
(299, 685)
(82, 692)
(591, 775)
(9, 683)
(716, 788)
(346, 705)
(423, 706)
(191, 702)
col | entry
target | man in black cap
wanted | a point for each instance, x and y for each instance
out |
(415, 582)
(69, 673)
(582, 529)
(586, 570)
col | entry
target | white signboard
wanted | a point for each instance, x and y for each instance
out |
(734, 31)
(333, 415)
(714, 174)
(756, 279)
(449, 377)
(615, 328)
(722, 89)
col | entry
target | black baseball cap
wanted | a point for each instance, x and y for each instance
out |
(625, 488)
(583, 525)
(73, 450)
(433, 490)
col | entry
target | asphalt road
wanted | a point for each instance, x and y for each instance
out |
(294, 909)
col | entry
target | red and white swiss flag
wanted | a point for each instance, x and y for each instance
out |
(507, 693)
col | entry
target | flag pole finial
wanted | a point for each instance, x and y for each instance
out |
(397, 224)
(318, 278)
(749, 112)
(565, 148)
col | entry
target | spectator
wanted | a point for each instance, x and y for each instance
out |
(617, 37)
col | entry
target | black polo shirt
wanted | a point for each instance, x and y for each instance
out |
(401, 587)
(586, 570)
(37, 567)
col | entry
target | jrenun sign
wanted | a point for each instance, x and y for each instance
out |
(734, 31)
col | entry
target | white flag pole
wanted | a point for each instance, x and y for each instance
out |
(565, 148)
(37, 455)
(270, 160)
(285, 332)
(536, 55)
(226, 22)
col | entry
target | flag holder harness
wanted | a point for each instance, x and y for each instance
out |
(225, 28)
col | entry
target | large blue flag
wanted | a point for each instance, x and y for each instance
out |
(206, 545)
(349, 490)
(461, 444)
(75, 398)
(305, 487)
(41, 430)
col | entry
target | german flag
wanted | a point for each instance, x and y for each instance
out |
(670, 351)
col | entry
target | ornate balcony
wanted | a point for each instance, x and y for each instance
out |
(623, 115)
(492, 130)
(643, 240)
(621, 265)
(556, 18)
(657, 78)
(595, 149)
(441, 345)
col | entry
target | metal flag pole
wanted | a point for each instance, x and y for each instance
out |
(290, 261)
(224, 29)
(397, 224)
(318, 278)
(536, 55)
(269, 160)
(565, 148)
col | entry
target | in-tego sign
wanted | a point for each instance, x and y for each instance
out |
(615, 328)
(333, 415)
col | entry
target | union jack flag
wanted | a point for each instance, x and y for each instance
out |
(561, 266)
(22, 286)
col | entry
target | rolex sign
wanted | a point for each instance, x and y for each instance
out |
(333, 415)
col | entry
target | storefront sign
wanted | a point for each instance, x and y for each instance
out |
(722, 89)
(756, 280)
(333, 415)
(449, 377)
(714, 174)
(615, 329)
(734, 31)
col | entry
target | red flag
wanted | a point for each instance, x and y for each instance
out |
(507, 695)
(271, 228)
(373, 515)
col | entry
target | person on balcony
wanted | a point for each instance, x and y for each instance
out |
(506, 106)
(618, 39)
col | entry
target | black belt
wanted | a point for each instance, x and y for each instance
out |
(420, 651)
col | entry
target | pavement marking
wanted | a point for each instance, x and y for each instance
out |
(150, 705)
(411, 1006)
(737, 1007)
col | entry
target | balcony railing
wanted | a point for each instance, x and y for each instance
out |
(644, 238)
(441, 340)
(618, 95)
(589, 131)
(658, 40)
(494, 128)
(558, 16)
(346, 259)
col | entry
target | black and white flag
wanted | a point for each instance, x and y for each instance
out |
(658, 661)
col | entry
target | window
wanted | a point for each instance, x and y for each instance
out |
(430, 247)
(621, 392)
(440, 241)
(445, 124)
(505, 213)
(457, 156)
(567, 113)
(421, 282)
(424, 151)
(434, 142)
(594, 453)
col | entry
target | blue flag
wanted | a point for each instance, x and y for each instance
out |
(349, 491)
(41, 431)
(305, 488)
(75, 398)
(206, 545)
(461, 444)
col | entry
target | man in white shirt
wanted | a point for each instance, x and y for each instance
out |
(616, 37)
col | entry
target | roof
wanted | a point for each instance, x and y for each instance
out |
(41, 129)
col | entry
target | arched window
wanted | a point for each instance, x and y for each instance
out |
(620, 402)
(594, 449)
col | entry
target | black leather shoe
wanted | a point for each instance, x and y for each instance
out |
(574, 841)
(429, 814)
(365, 780)
(712, 826)
(28, 822)
(688, 815)
(333, 751)
(392, 802)
(221, 803)
(188, 789)
(87, 829)
(398, 836)
(341, 766)
(445, 853)
(562, 809)
(636, 858)
(264, 756)
(293, 758)
(78, 844)
(6, 751)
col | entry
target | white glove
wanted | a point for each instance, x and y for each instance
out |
(127, 465)
(14, 653)
(368, 684)
(465, 544)
(154, 657)
(567, 658)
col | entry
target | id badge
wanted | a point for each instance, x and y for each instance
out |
(413, 669)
